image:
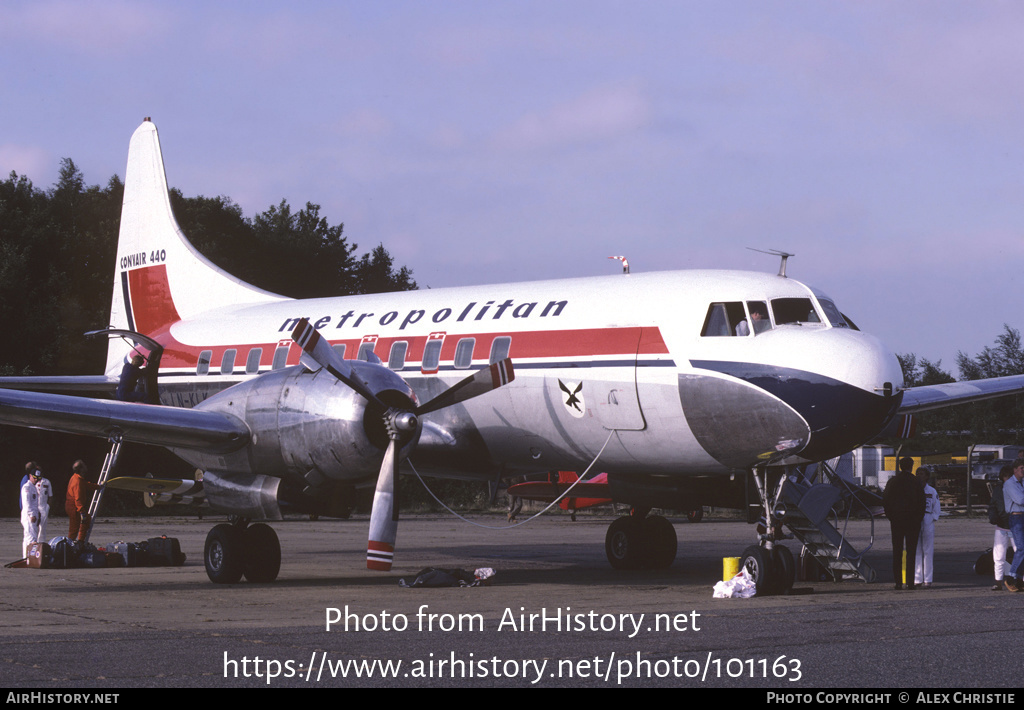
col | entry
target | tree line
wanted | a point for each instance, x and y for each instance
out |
(57, 253)
(996, 421)
(57, 250)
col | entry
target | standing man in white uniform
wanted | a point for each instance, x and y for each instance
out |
(29, 512)
(926, 549)
(45, 490)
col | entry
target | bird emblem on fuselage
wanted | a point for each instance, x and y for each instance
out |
(573, 400)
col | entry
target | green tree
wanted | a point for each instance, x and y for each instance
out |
(998, 418)
(922, 372)
(375, 273)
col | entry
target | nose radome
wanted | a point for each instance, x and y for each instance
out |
(825, 394)
(738, 423)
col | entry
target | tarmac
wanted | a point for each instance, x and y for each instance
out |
(555, 615)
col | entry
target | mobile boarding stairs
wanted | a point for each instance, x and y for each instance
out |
(817, 510)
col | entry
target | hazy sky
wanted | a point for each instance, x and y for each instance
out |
(881, 142)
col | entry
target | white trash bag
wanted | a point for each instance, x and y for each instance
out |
(742, 586)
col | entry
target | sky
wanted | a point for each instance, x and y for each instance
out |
(881, 143)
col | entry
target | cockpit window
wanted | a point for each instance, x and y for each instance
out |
(794, 310)
(732, 319)
(832, 313)
(758, 311)
(723, 319)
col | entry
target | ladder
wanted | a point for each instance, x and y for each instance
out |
(813, 512)
(109, 462)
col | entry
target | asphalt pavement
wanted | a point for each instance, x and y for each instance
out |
(556, 615)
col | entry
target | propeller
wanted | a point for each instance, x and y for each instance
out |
(317, 351)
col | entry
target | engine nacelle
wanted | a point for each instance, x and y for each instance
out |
(309, 427)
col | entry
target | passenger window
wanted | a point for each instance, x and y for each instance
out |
(227, 364)
(366, 351)
(432, 355)
(396, 359)
(794, 310)
(280, 357)
(252, 362)
(499, 348)
(203, 368)
(723, 319)
(464, 353)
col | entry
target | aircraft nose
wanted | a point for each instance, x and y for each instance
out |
(842, 385)
(737, 422)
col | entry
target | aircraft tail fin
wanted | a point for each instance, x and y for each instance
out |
(159, 277)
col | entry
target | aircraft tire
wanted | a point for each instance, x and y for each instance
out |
(786, 568)
(695, 515)
(623, 544)
(262, 553)
(224, 554)
(758, 564)
(661, 543)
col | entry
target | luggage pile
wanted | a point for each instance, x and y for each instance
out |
(65, 553)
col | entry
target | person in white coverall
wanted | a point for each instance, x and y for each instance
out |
(29, 512)
(1002, 542)
(926, 548)
(45, 490)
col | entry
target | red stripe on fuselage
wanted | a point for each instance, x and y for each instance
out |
(583, 343)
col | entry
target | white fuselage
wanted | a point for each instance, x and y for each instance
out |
(626, 355)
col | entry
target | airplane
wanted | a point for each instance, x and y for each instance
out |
(572, 494)
(565, 488)
(282, 403)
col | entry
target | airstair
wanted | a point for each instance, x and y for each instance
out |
(818, 511)
(109, 463)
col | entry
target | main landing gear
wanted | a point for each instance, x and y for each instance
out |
(769, 563)
(640, 541)
(237, 549)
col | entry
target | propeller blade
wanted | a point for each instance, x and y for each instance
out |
(320, 351)
(380, 551)
(481, 382)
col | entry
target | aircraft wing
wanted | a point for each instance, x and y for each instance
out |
(173, 427)
(920, 399)
(87, 385)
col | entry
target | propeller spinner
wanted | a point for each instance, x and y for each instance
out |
(398, 423)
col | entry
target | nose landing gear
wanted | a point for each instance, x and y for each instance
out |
(769, 563)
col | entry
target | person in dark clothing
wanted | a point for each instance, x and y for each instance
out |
(127, 386)
(904, 503)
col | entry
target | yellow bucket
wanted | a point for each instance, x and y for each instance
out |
(730, 568)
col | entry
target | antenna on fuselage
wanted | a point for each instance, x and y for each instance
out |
(625, 263)
(784, 255)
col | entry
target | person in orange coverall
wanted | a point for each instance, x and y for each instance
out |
(76, 504)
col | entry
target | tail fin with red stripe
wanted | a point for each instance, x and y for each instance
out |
(159, 277)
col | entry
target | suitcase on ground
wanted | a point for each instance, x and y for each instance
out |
(64, 553)
(39, 555)
(164, 552)
(132, 555)
(92, 558)
(114, 559)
